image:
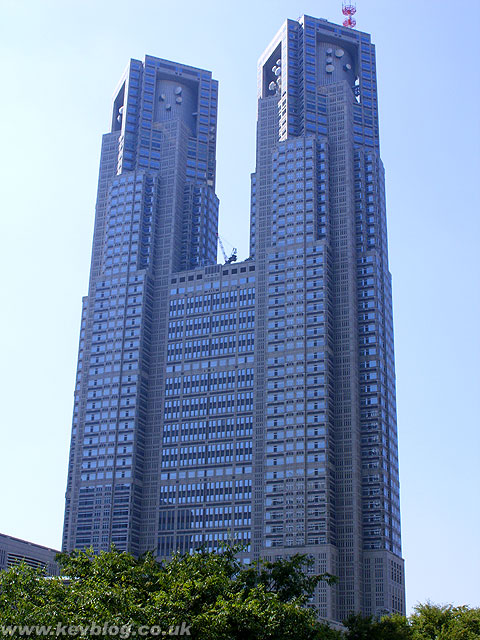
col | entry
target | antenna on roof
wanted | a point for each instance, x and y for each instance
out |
(349, 9)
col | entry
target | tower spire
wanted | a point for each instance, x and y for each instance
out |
(349, 9)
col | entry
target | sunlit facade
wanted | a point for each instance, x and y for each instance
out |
(251, 401)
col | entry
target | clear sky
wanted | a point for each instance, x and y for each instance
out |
(61, 62)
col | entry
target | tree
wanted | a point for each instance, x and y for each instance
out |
(429, 622)
(434, 622)
(361, 627)
(394, 627)
(465, 625)
(212, 595)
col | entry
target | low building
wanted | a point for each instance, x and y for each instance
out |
(14, 551)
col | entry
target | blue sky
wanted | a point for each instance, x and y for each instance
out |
(62, 60)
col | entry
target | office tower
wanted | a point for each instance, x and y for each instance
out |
(156, 214)
(252, 401)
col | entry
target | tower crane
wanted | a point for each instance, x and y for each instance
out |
(233, 255)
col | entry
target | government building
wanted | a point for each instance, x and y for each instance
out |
(251, 401)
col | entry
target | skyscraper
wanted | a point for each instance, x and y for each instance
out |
(251, 400)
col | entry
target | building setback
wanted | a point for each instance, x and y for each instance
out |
(252, 401)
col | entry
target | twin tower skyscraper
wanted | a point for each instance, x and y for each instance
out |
(250, 401)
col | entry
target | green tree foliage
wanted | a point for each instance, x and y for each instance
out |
(432, 622)
(361, 627)
(213, 594)
(395, 627)
(367, 628)
(429, 622)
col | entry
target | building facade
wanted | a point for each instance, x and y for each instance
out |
(14, 551)
(252, 401)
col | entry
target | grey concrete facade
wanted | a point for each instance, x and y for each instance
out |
(252, 401)
(14, 551)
